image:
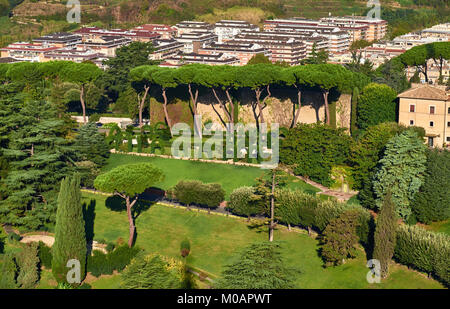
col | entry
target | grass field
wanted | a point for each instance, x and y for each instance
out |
(442, 226)
(229, 176)
(215, 240)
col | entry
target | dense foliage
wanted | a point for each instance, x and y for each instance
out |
(189, 192)
(313, 149)
(432, 202)
(376, 105)
(259, 266)
(401, 171)
(424, 250)
(154, 272)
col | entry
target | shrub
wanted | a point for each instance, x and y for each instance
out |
(313, 149)
(242, 202)
(45, 255)
(154, 272)
(339, 240)
(27, 261)
(424, 250)
(100, 263)
(13, 236)
(110, 247)
(185, 248)
(8, 272)
(195, 192)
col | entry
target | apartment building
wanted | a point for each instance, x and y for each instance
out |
(427, 107)
(375, 28)
(338, 40)
(106, 45)
(25, 51)
(70, 54)
(192, 41)
(166, 32)
(242, 51)
(227, 29)
(142, 35)
(165, 48)
(193, 26)
(440, 31)
(60, 39)
(187, 58)
(282, 48)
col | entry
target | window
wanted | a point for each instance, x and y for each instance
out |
(431, 123)
(411, 122)
(448, 124)
(432, 108)
(449, 110)
(448, 138)
(412, 108)
(431, 141)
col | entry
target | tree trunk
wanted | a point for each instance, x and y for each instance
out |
(289, 227)
(141, 105)
(194, 109)
(272, 208)
(83, 105)
(327, 108)
(166, 113)
(132, 227)
(297, 113)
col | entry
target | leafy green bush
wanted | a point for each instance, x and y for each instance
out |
(185, 248)
(14, 237)
(424, 250)
(242, 202)
(100, 263)
(189, 192)
(313, 149)
(45, 255)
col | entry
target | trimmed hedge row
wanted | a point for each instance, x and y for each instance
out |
(424, 250)
(188, 192)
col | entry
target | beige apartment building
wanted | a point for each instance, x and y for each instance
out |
(427, 107)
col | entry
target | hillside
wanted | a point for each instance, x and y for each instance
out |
(31, 18)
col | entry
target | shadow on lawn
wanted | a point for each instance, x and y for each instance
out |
(89, 219)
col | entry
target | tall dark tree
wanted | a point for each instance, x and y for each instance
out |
(127, 57)
(38, 157)
(385, 234)
(432, 202)
(70, 238)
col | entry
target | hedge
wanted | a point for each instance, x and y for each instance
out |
(424, 250)
(189, 192)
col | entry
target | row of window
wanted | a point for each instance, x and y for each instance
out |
(411, 123)
(412, 109)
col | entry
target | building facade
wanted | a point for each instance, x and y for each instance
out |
(427, 107)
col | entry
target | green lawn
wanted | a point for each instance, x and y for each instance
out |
(442, 226)
(229, 176)
(215, 239)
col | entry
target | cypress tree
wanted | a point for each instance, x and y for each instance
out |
(385, 234)
(70, 238)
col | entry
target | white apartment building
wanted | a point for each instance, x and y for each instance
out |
(227, 29)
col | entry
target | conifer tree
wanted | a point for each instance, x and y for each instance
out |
(432, 202)
(70, 238)
(385, 234)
